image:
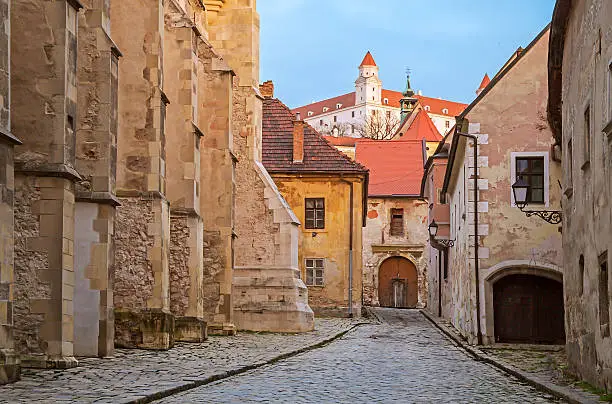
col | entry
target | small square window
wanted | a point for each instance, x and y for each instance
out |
(314, 271)
(315, 213)
(397, 222)
(531, 170)
(447, 124)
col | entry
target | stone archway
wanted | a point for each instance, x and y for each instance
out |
(398, 283)
(524, 303)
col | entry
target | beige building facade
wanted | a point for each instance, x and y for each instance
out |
(501, 256)
(580, 113)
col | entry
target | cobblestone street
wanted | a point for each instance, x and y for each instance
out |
(136, 374)
(405, 359)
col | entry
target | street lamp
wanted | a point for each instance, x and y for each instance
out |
(433, 231)
(521, 189)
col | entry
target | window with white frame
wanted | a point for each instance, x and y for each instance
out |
(427, 108)
(533, 168)
(386, 101)
(310, 113)
(445, 111)
(338, 106)
(314, 271)
(325, 109)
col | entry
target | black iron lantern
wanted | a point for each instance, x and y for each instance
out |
(520, 189)
(433, 229)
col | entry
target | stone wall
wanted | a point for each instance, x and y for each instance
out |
(96, 162)
(587, 183)
(217, 169)
(379, 244)
(142, 248)
(181, 67)
(9, 361)
(43, 110)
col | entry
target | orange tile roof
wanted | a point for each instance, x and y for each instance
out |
(437, 105)
(422, 128)
(341, 140)
(368, 60)
(394, 97)
(396, 167)
(485, 82)
(277, 145)
(347, 100)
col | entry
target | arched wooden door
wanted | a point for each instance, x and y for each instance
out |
(397, 283)
(528, 309)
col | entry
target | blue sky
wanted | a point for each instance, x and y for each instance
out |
(311, 48)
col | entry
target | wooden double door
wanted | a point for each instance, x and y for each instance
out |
(398, 283)
(528, 309)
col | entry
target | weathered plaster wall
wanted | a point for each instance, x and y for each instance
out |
(43, 112)
(330, 243)
(587, 226)
(379, 244)
(510, 118)
(142, 301)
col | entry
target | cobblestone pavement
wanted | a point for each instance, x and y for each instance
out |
(134, 374)
(405, 359)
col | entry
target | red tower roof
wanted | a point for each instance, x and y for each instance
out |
(368, 60)
(485, 82)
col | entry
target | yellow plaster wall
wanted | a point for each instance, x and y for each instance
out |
(331, 243)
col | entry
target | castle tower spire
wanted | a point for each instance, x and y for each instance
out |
(408, 101)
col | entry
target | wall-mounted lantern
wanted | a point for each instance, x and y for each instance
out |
(433, 231)
(521, 190)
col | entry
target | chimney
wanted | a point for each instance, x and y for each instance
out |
(267, 89)
(298, 139)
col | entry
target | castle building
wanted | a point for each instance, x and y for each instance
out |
(371, 110)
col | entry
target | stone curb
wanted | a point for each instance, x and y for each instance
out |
(224, 375)
(537, 382)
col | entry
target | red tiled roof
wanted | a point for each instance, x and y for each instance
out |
(319, 155)
(394, 97)
(368, 60)
(341, 140)
(422, 128)
(347, 100)
(396, 167)
(485, 82)
(437, 105)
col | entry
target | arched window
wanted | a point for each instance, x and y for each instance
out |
(386, 101)
(445, 111)
(427, 108)
(338, 106)
(310, 113)
(325, 109)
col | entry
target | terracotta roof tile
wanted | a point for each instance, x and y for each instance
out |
(421, 128)
(368, 60)
(319, 155)
(396, 167)
(437, 106)
(341, 140)
(347, 100)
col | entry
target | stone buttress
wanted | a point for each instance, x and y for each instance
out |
(181, 66)
(268, 294)
(217, 170)
(9, 361)
(141, 295)
(43, 107)
(96, 162)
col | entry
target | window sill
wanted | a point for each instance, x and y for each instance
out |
(318, 231)
(315, 286)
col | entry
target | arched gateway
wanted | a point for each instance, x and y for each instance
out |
(528, 309)
(397, 283)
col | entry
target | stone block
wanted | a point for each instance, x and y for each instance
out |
(190, 329)
(144, 329)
